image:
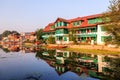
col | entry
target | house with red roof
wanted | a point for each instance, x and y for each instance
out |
(86, 29)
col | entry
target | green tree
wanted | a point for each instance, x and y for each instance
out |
(51, 40)
(0, 36)
(112, 16)
(6, 33)
(15, 32)
(39, 34)
(72, 37)
(114, 68)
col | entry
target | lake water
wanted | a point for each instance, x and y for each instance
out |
(45, 64)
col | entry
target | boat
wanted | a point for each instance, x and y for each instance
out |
(56, 46)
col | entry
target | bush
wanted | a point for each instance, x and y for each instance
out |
(51, 40)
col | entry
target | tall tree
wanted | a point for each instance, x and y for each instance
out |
(51, 40)
(6, 33)
(15, 32)
(0, 36)
(113, 18)
(39, 34)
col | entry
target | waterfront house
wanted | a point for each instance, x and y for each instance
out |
(86, 29)
(28, 37)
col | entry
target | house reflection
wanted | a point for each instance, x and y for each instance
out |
(19, 48)
(90, 64)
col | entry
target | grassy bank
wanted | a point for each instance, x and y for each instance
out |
(91, 51)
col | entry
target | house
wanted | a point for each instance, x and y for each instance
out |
(27, 36)
(86, 29)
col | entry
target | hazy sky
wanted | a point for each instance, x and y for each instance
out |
(29, 15)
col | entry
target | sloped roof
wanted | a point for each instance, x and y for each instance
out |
(61, 19)
(92, 16)
(84, 23)
(47, 28)
(75, 19)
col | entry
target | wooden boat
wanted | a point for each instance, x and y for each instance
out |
(56, 46)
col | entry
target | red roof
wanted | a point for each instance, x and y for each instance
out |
(92, 16)
(47, 28)
(61, 19)
(75, 19)
(84, 23)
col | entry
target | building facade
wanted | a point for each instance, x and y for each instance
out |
(87, 29)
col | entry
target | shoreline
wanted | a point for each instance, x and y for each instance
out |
(96, 49)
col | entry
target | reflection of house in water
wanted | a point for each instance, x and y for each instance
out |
(79, 63)
(12, 42)
(24, 49)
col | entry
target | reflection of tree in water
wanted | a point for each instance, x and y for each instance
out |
(5, 50)
(39, 54)
(0, 46)
(114, 68)
(51, 53)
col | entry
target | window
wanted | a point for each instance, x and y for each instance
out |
(52, 27)
(93, 29)
(83, 30)
(94, 20)
(94, 38)
(76, 23)
(65, 38)
(61, 31)
(83, 38)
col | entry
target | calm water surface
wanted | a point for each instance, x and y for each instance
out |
(51, 65)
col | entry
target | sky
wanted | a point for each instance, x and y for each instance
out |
(30, 15)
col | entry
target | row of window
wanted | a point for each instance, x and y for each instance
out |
(60, 24)
(77, 23)
(87, 30)
(61, 31)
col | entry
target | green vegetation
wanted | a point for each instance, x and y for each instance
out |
(39, 34)
(112, 16)
(7, 32)
(114, 68)
(6, 50)
(51, 40)
(72, 37)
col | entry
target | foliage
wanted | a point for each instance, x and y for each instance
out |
(51, 53)
(0, 36)
(15, 32)
(39, 54)
(6, 50)
(39, 34)
(7, 32)
(113, 16)
(51, 40)
(114, 68)
(72, 37)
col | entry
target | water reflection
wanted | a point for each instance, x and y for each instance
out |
(50, 64)
(97, 66)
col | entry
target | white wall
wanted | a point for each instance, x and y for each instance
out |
(99, 34)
